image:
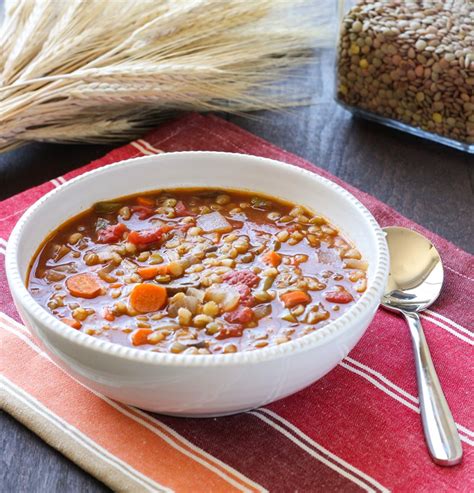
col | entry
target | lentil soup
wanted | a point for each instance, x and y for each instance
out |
(197, 271)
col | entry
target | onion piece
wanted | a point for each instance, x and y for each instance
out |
(180, 300)
(214, 222)
(227, 297)
(196, 293)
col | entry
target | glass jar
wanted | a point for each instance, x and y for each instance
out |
(409, 65)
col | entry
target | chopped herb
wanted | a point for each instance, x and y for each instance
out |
(260, 203)
(101, 223)
(107, 207)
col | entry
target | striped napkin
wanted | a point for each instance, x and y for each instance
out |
(358, 428)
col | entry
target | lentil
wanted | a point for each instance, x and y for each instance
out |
(420, 73)
(234, 284)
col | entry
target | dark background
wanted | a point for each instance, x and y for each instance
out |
(429, 183)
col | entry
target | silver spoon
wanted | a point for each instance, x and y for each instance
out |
(414, 283)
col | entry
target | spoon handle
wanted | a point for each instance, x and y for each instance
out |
(438, 424)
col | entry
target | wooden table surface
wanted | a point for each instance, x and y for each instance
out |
(431, 184)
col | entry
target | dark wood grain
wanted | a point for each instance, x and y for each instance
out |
(29, 465)
(431, 184)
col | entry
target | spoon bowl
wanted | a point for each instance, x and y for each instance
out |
(416, 275)
(414, 283)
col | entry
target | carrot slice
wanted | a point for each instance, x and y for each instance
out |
(140, 336)
(153, 271)
(146, 201)
(272, 258)
(83, 286)
(147, 272)
(146, 298)
(293, 298)
(75, 324)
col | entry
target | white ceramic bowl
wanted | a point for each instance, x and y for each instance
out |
(190, 385)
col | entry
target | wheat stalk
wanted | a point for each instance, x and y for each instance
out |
(102, 70)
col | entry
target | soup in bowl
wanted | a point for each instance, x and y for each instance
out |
(197, 283)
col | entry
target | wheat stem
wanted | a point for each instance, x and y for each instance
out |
(102, 70)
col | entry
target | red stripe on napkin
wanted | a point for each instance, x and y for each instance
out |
(357, 428)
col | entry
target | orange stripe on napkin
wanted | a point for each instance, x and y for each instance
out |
(111, 426)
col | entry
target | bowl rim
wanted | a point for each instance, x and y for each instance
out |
(365, 305)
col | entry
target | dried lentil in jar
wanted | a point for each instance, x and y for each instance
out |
(410, 65)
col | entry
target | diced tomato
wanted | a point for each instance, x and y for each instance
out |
(294, 298)
(111, 233)
(246, 298)
(272, 258)
(143, 211)
(181, 210)
(140, 337)
(147, 236)
(243, 276)
(241, 315)
(339, 295)
(228, 332)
